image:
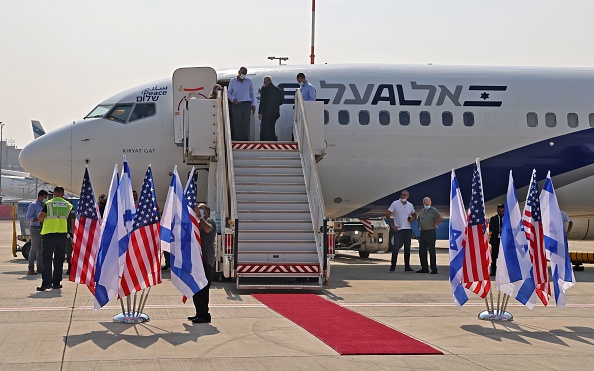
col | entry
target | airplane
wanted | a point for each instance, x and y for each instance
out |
(386, 128)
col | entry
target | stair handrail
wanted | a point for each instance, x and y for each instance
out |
(229, 156)
(315, 197)
(222, 184)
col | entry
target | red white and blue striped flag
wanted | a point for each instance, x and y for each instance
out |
(86, 236)
(143, 258)
(532, 221)
(476, 246)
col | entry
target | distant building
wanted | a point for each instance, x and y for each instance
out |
(10, 155)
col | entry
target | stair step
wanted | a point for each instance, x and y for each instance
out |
(276, 245)
(278, 252)
(279, 161)
(263, 187)
(273, 257)
(273, 205)
(252, 224)
(249, 285)
(273, 214)
(271, 196)
(264, 169)
(240, 153)
(270, 178)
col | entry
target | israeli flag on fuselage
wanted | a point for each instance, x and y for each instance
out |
(113, 235)
(555, 242)
(514, 267)
(177, 237)
(457, 228)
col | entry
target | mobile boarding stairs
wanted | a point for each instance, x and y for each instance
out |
(267, 196)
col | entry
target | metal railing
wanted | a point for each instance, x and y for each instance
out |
(229, 157)
(317, 207)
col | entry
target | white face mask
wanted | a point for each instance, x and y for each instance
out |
(242, 77)
(201, 213)
(300, 84)
(403, 200)
(44, 200)
(427, 206)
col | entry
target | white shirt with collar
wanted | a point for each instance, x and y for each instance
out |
(400, 213)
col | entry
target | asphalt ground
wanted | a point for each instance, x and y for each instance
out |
(59, 330)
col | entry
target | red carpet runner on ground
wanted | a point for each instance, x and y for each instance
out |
(344, 330)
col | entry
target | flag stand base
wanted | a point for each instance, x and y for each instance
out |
(495, 315)
(131, 318)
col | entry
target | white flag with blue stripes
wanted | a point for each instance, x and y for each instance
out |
(127, 208)
(113, 239)
(555, 242)
(457, 228)
(514, 266)
(177, 237)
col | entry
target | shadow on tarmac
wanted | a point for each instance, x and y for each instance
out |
(114, 334)
(526, 334)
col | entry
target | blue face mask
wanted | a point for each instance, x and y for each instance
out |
(427, 207)
(44, 200)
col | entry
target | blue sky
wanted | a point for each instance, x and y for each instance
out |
(59, 58)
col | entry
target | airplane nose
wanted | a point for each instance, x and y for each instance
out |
(49, 157)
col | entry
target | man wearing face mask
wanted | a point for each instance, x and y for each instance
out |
(495, 236)
(428, 220)
(271, 98)
(208, 232)
(404, 214)
(241, 94)
(307, 89)
(35, 230)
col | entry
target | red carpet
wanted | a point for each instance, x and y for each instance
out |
(344, 330)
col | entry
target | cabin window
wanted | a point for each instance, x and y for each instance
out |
(120, 112)
(447, 119)
(572, 120)
(468, 118)
(532, 119)
(404, 118)
(425, 118)
(364, 117)
(343, 117)
(384, 118)
(326, 117)
(591, 120)
(142, 110)
(550, 120)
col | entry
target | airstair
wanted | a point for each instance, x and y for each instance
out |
(268, 197)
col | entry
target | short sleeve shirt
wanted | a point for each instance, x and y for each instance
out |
(401, 212)
(208, 240)
(427, 218)
(565, 217)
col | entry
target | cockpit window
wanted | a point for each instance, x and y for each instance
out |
(142, 110)
(120, 112)
(99, 111)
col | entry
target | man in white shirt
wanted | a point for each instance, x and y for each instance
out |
(566, 219)
(404, 214)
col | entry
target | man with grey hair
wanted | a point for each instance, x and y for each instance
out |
(241, 95)
(428, 219)
(271, 98)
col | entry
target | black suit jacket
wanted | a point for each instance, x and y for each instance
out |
(494, 229)
(271, 98)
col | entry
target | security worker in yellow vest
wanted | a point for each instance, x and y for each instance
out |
(54, 232)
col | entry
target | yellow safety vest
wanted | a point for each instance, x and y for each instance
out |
(56, 220)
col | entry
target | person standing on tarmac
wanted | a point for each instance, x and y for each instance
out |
(208, 232)
(54, 232)
(35, 229)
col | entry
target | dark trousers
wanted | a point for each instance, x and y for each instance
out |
(242, 114)
(54, 248)
(267, 132)
(201, 298)
(167, 257)
(401, 237)
(427, 242)
(494, 251)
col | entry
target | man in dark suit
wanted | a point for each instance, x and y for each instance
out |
(495, 236)
(271, 98)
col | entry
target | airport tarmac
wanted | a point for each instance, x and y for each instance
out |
(59, 330)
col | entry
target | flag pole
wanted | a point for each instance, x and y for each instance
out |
(140, 301)
(134, 311)
(122, 304)
(498, 302)
(492, 306)
(145, 298)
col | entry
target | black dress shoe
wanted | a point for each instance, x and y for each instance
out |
(164, 268)
(423, 271)
(408, 269)
(433, 272)
(55, 287)
(201, 319)
(43, 288)
(192, 318)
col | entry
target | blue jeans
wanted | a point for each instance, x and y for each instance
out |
(401, 237)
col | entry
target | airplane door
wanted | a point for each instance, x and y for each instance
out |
(189, 83)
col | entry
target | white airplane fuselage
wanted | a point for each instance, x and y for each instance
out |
(407, 127)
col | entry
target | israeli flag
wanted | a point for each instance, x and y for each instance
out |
(514, 267)
(127, 206)
(177, 237)
(556, 242)
(457, 228)
(113, 237)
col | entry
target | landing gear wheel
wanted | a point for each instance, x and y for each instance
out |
(25, 250)
(364, 254)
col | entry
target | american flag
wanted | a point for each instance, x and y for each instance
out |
(87, 234)
(532, 221)
(190, 194)
(143, 258)
(476, 247)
